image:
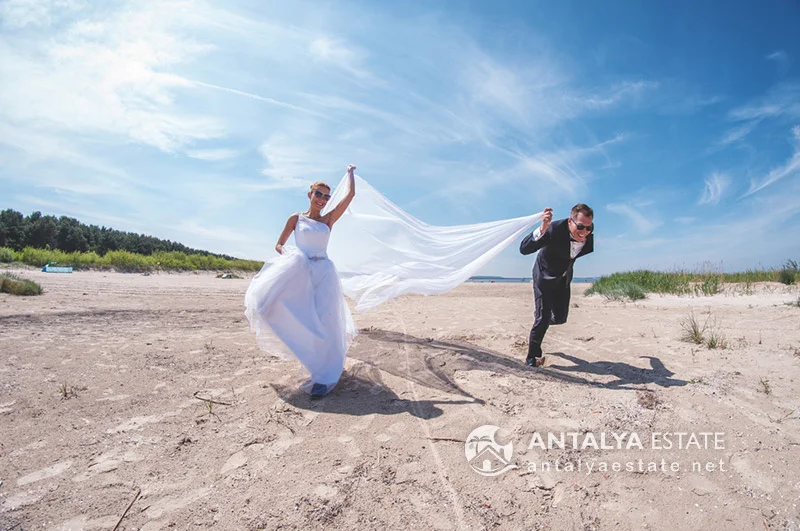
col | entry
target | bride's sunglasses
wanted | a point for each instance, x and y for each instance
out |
(320, 195)
(581, 226)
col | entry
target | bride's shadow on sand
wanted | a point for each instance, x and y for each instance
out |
(361, 391)
(433, 363)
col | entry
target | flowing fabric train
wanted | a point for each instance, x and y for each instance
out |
(382, 252)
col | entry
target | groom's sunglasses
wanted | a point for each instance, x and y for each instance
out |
(320, 195)
(581, 226)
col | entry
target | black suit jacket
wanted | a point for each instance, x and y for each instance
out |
(553, 261)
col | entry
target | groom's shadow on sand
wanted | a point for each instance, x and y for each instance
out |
(433, 363)
(625, 374)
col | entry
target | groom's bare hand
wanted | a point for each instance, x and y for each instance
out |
(547, 217)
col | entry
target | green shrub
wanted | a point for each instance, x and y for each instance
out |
(18, 286)
(711, 285)
(132, 262)
(6, 255)
(693, 331)
(635, 284)
(789, 273)
(628, 290)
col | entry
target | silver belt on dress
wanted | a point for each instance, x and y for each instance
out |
(316, 258)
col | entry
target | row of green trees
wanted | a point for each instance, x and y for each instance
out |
(70, 235)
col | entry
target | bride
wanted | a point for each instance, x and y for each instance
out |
(298, 296)
(295, 304)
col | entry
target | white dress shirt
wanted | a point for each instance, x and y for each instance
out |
(574, 247)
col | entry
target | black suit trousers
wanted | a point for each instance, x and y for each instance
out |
(551, 299)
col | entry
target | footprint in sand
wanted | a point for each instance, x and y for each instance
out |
(752, 478)
(348, 442)
(80, 522)
(49, 472)
(6, 408)
(108, 462)
(558, 494)
(398, 428)
(138, 422)
(282, 444)
(237, 460)
(325, 492)
(170, 504)
(36, 445)
(111, 397)
(702, 486)
(363, 423)
(21, 499)
(409, 472)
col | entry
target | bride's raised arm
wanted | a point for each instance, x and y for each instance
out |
(340, 209)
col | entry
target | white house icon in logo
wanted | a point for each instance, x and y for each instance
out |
(484, 455)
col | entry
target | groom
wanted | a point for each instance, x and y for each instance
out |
(561, 243)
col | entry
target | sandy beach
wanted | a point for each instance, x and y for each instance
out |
(119, 388)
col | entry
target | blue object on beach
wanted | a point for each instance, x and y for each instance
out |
(53, 268)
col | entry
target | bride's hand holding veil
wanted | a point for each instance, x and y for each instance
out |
(341, 208)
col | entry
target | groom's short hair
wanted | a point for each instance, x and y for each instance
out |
(586, 210)
(319, 184)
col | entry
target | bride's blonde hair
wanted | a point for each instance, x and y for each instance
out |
(318, 184)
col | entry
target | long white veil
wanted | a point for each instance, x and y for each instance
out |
(382, 252)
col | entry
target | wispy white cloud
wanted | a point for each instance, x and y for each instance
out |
(780, 100)
(20, 13)
(219, 234)
(212, 154)
(108, 76)
(737, 134)
(552, 175)
(77, 206)
(563, 169)
(778, 55)
(290, 164)
(668, 96)
(700, 243)
(642, 223)
(54, 148)
(756, 112)
(496, 86)
(627, 91)
(781, 59)
(715, 186)
(789, 168)
(337, 52)
(250, 95)
(690, 104)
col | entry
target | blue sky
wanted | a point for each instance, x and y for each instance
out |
(203, 122)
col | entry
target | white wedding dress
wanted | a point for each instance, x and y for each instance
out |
(295, 303)
(297, 299)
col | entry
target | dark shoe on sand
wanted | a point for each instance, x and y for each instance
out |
(318, 391)
(535, 362)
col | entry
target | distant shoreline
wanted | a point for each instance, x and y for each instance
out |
(518, 280)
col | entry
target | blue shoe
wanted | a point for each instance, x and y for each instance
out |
(318, 391)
